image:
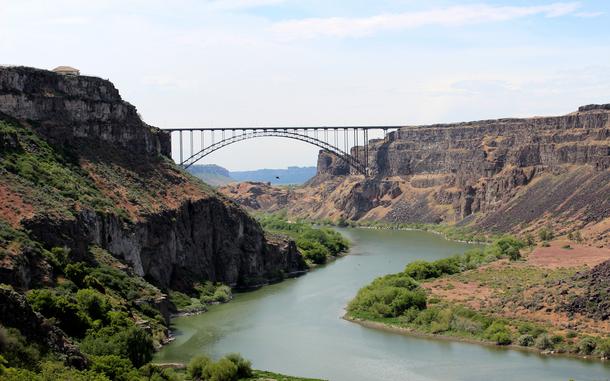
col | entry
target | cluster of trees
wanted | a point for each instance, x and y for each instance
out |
(505, 247)
(206, 293)
(316, 244)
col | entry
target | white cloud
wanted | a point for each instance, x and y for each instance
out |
(445, 17)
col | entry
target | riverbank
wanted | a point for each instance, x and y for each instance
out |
(294, 327)
(257, 375)
(388, 327)
(531, 304)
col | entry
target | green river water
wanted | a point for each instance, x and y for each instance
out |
(295, 327)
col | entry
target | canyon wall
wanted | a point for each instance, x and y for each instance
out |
(130, 198)
(500, 175)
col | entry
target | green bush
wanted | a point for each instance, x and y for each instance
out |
(94, 304)
(244, 367)
(505, 247)
(543, 342)
(152, 372)
(214, 293)
(603, 347)
(180, 300)
(222, 294)
(525, 340)
(64, 308)
(16, 351)
(229, 368)
(421, 270)
(531, 329)
(114, 367)
(546, 234)
(587, 345)
(129, 342)
(313, 251)
(499, 333)
(222, 370)
(388, 296)
(557, 339)
(198, 366)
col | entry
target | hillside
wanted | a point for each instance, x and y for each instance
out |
(98, 225)
(508, 175)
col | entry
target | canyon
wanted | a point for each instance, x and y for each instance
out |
(505, 175)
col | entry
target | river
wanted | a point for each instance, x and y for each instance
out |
(295, 327)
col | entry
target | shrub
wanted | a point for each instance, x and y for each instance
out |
(70, 318)
(603, 347)
(197, 367)
(466, 324)
(314, 251)
(153, 372)
(130, 342)
(587, 345)
(77, 272)
(388, 296)
(222, 370)
(546, 234)
(421, 270)
(498, 333)
(502, 338)
(211, 293)
(525, 340)
(180, 300)
(114, 367)
(543, 342)
(16, 351)
(222, 294)
(93, 303)
(528, 328)
(244, 367)
(509, 247)
(557, 339)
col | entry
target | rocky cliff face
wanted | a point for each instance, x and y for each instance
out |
(70, 109)
(502, 175)
(128, 197)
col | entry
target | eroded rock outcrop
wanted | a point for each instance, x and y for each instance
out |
(138, 205)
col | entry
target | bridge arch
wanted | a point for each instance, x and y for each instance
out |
(204, 141)
(358, 165)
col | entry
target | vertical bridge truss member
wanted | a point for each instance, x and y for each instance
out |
(201, 142)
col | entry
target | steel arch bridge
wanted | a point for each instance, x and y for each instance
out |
(349, 144)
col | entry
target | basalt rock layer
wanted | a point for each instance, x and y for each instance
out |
(81, 169)
(499, 175)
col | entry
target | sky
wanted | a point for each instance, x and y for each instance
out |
(224, 63)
